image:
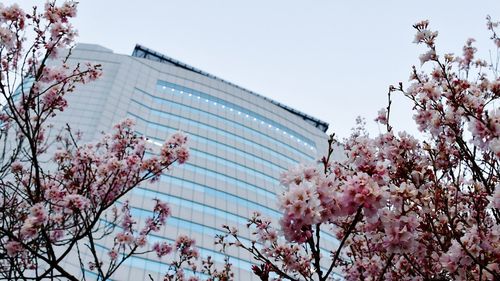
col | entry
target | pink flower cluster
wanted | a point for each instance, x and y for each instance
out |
(186, 247)
(175, 148)
(13, 248)
(361, 191)
(11, 16)
(302, 209)
(313, 199)
(60, 13)
(162, 209)
(162, 249)
(36, 219)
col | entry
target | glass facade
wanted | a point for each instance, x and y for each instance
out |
(239, 141)
(236, 109)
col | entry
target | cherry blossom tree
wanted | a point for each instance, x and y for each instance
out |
(402, 208)
(60, 198)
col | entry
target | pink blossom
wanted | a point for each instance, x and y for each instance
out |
(124, 238)
(38, 214)
(113, 254)
(13, 248)
(178, 139)
(361, 190)
(468, 54)
(16, 167)
(495, 146)
(127, 221)
(29, 229)
(495, 198)
(400, 233)
(430, 55)
(162, 209)
(494, 122)
(57, 234)
(182, 154)
(11, 13)
(36, 218)
(53, 99)
(302, 208)
(75, 202)
(424, 35)
(423, 118)
(7, 38)
(141, 240)
(382, 116)
(298, 174)
(150, 225)
(60, 14)
(162, 249)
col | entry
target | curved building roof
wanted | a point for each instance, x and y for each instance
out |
(143, 52)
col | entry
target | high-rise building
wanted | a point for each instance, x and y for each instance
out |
(239, 141)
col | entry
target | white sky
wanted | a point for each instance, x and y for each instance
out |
(333, 60)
